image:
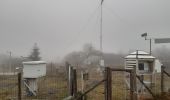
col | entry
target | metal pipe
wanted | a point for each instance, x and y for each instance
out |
(150, 46)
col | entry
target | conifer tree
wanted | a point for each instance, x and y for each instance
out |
(34, 56)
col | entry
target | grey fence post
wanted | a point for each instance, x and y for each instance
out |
(162, 79)
(108, 84)
(74, 82)
(132, 85)
(135, 84)
(67, 69)
(19, 86)
(70, 80)
(67, 76)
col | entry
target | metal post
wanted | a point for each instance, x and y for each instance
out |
(142, 79)
(150, 46)
(19, 86)
(132, 85)
(10, 62)
(101, 30)
(108, 84)
(74, 82)
(162, 79)
(70, 79)
(10, 54)
(135, 84)
(51, 73)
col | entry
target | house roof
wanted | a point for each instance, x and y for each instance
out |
(34, 62)
(139, 54)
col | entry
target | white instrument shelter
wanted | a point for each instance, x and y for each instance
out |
(34, 69)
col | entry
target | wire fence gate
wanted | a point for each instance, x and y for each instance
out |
(112, 80)
(122, 90)
(111, 85)
(165, 81)
(114, 86)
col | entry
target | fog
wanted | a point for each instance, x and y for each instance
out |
(62, 26)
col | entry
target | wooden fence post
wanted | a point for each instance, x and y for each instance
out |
(108, 84)
(67, 69)
(132, 85)
(19, 86)
(68, 76)
(162, 79)
(135, 92)
(74, 82)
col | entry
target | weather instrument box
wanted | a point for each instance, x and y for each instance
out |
(143, 62)
(34, 69)
(145, 66)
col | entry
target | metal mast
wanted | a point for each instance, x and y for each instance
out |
(101, 30)
(10, 62)
(101, 35)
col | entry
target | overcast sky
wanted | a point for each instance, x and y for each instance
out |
(62, 26)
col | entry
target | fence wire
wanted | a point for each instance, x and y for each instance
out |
(120, 90)
(8, 87)
(167, 84)
(53, 86)
(94, 76)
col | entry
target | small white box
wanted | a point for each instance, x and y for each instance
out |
(34, 69)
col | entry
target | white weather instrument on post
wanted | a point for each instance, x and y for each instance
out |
(145, 66)
(32, 70)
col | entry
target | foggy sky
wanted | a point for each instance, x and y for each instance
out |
(62, 26)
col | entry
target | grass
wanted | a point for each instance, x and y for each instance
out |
(51, 88)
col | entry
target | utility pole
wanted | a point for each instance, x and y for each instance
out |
(150, 46)
(101, 27)
(10, 62)
(101, 35)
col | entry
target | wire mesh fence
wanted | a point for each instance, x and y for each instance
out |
(162, 86)
(53, 86)
(8, 87)
(156, 89)
(88, 77)
(167, 83)
(120, 90)
(96, 94)
(95, 75)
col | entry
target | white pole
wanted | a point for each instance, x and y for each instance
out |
(10, 64)
(69, 77)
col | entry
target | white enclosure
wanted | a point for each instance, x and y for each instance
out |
(34, 69)
(144, 63)
(146, 66)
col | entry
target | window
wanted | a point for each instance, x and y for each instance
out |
(141, 66)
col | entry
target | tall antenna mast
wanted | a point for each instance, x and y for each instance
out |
(101, 35)
(101, 27)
